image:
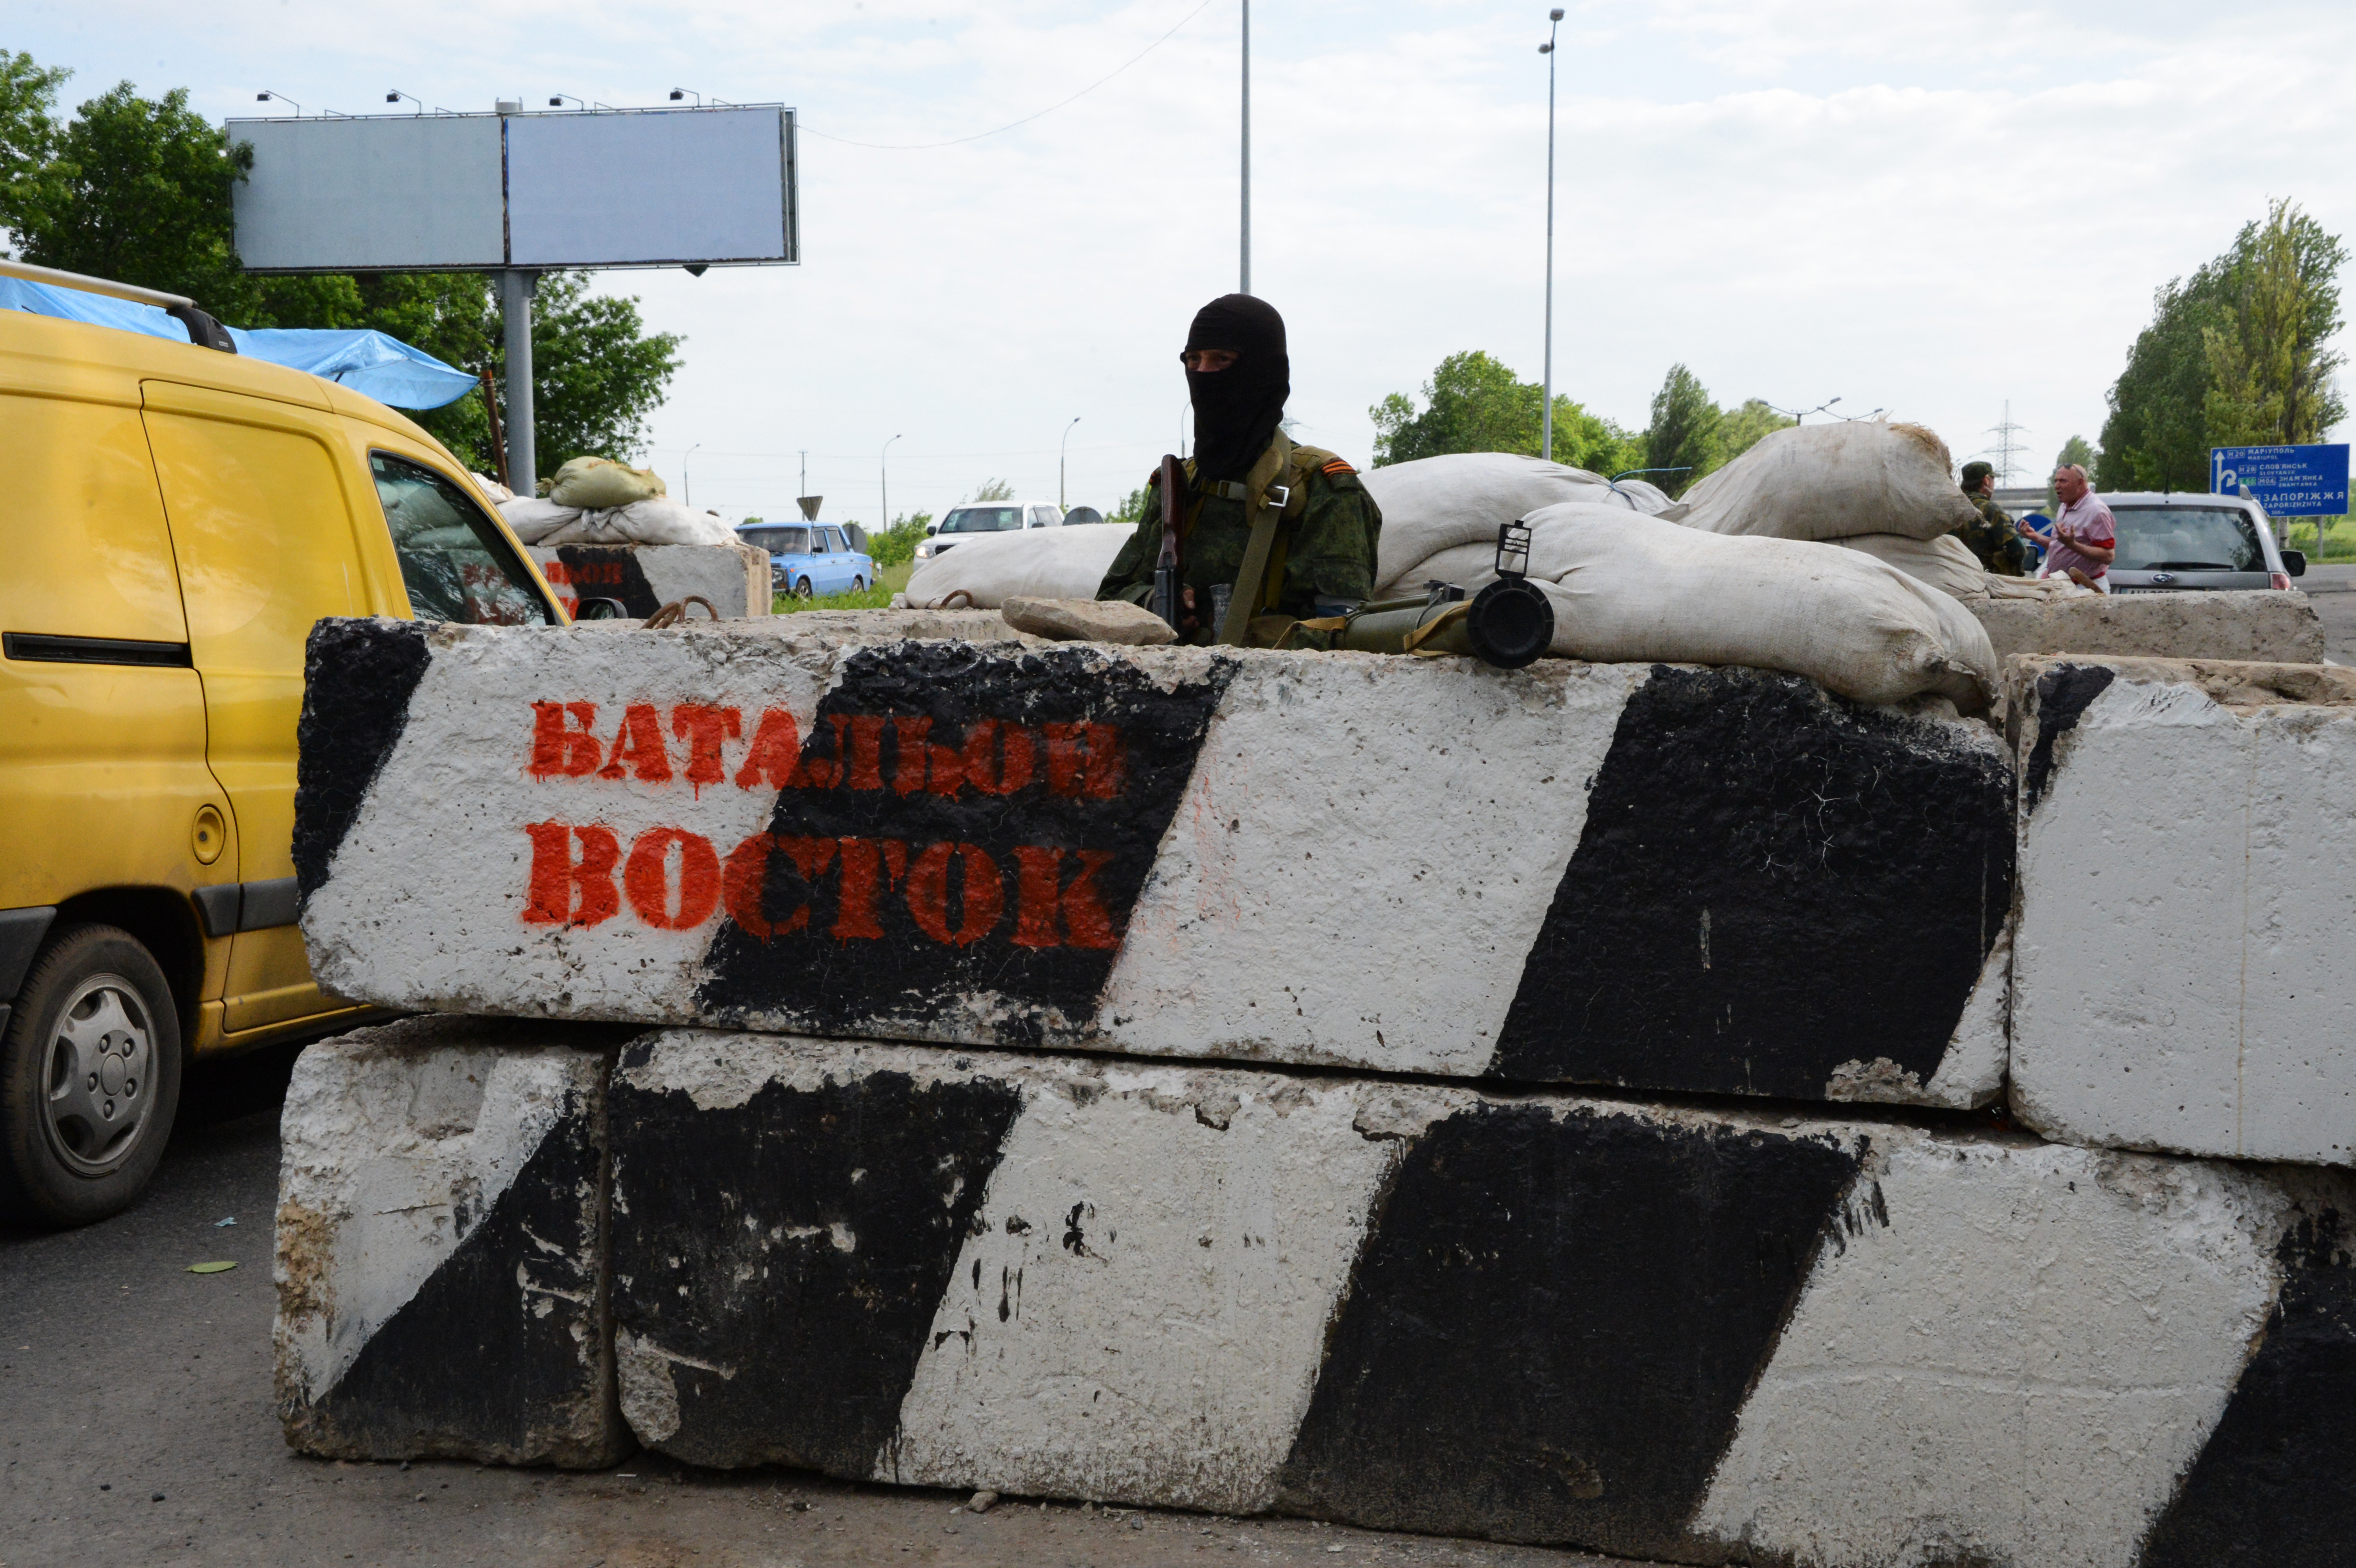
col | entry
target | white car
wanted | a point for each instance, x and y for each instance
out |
(988, 517)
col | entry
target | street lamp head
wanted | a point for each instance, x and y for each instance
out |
(1555, 14)
(1547, 47)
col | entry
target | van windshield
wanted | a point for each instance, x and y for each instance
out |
(2187, 539)
(454, 560)
(777, 542)
(982, 520)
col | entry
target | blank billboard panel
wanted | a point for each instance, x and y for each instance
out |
(688, 185)
(385, 192)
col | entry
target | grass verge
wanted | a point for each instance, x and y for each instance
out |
(889, 579)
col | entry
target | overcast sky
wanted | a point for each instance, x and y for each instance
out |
(1927, 209)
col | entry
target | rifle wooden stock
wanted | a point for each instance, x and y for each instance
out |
(1169, 593)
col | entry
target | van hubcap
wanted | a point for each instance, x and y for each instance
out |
(101, 1061)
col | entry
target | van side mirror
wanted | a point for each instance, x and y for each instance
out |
(2294, 562)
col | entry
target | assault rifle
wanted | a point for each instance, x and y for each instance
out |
(1169, 594)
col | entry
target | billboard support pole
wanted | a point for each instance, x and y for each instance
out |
(515, 288)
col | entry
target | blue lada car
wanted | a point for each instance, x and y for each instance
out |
(807, 559)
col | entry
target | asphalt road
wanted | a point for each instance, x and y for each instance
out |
(2333, 588)
(135, 1428)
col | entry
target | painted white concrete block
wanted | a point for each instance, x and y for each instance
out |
(440, 1258)
(1698, 880)
(645, 577)
(1680, 1335)
(2180, 973)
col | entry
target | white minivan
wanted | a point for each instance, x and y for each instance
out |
(988, 517)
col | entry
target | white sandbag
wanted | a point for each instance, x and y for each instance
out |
(1946, 563)
(1436, 504)
(493, 489)
(1034, 564)
(664, 521)
(1834, 481)
(596, 483)
(534, 519)
(1636, 590)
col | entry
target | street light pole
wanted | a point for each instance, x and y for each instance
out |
(884, 478)
(1060, 448)
(1545, 421)
(1244, 286)
(686, 479)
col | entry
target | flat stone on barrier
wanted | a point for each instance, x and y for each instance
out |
(1717, 880)
(2181, 979)
(1681, 1335)
(2270, 626)
(441, 1266)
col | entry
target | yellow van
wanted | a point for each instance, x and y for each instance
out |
(173, 519)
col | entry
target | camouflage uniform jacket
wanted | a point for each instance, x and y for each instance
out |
(1325, 547)
(1993, 538)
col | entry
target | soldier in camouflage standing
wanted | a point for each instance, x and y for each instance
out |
(1992, 539)
(1320, 527)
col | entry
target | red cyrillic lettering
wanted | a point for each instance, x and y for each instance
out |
(558, 751)
(1040, 898)
(775, 753)
(869, 866)
(639, 746)
(983, 896)
(859, 749)
(993, 770)
(908, 741)
(703, 728)
(1084, 760)
(748, 869)
(646, 878)
(569, 892)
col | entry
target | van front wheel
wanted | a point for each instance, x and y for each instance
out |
(90, 1078)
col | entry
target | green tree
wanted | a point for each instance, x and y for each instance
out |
(1474, 403)
(1685, 432)
(899, 543)
(1744, 428)
(2235, 353)
(1131, 509)
(138, 190)
(994, 490)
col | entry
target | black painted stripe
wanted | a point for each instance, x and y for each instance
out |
(801, 1240)
(2276, 1483)
(2062, 694)
(475, 1365)
(1772, 882)
(1554, 1323)
(901, 981)
(357, 679)
(41, 648)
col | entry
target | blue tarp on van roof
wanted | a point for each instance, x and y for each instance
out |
(368, 362)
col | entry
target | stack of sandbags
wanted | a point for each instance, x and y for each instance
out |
(1033, 563)
(1435, 505)
(593, 500)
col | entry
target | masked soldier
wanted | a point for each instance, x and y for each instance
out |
(1993, 537)
(1293, 520)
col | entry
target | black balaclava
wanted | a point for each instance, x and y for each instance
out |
(1237, 409)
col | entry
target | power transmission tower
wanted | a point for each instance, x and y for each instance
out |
(2008, 445)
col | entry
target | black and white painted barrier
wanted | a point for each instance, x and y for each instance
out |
(1719, 880)
(643, 578)
(441, 1252)
(1687, 1335)
(2187, 886)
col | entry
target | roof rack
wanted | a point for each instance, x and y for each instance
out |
(203, 330)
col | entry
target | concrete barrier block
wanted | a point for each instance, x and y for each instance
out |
(2276, 627)
(1681, 1335)
(2180, 976)
(1705, 880)
(646, 577)
(441, 1263)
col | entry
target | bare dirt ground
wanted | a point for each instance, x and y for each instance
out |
(135, 1428)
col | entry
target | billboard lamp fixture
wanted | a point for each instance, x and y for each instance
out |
(557, 100)
(677, 93)
(396, 95)
(280, 97)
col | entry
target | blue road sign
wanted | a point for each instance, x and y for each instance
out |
(2288, 481)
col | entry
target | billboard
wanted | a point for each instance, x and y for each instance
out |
(712, 187)
(2288, 481)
